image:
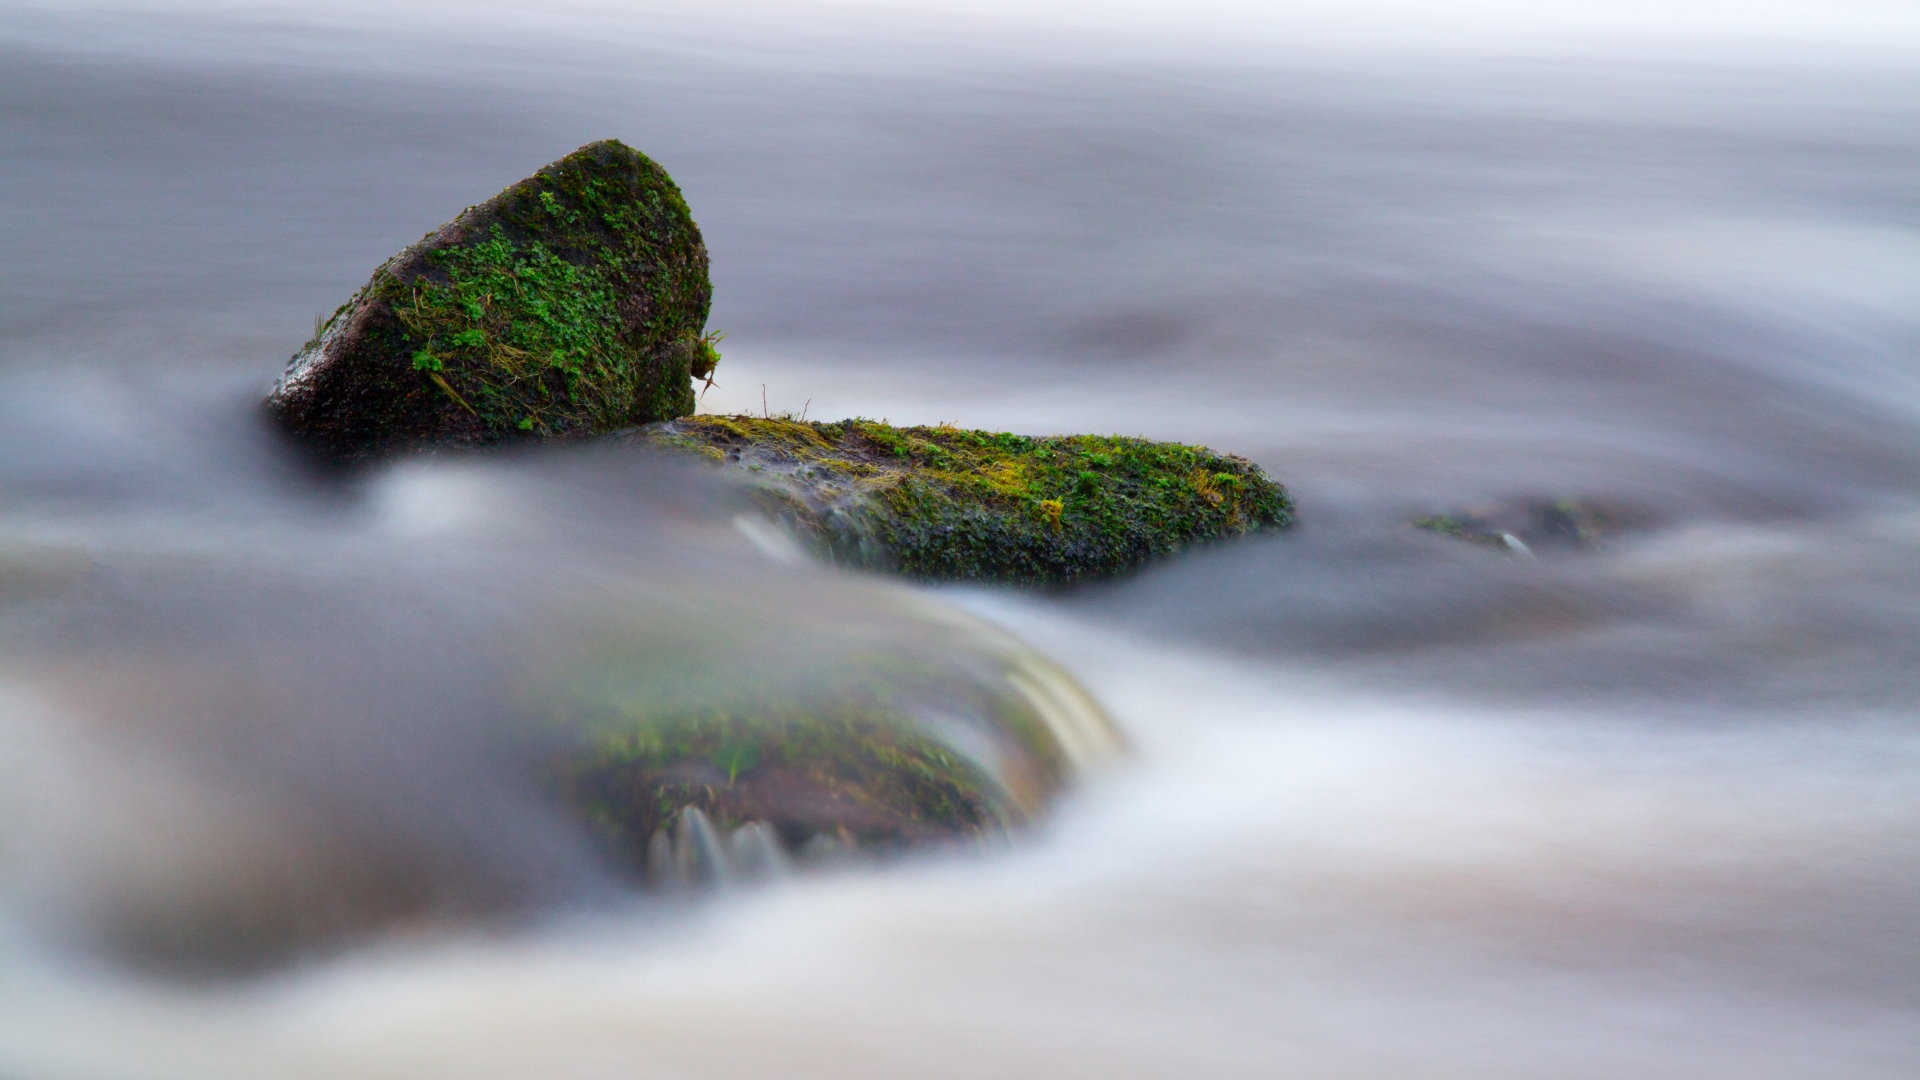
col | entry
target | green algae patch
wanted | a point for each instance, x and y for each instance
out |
(949, 504)
(572, 303)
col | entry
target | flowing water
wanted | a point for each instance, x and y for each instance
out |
(1395, 805)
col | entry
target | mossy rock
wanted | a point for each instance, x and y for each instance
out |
(896, 749)
(572, 303)
(948, 504)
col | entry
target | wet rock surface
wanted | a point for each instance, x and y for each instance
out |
(572, 303)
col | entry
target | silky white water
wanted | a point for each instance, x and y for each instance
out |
(1393, 805)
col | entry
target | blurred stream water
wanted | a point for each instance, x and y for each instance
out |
(1397, 805)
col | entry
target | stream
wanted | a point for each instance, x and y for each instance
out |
(1391, 805)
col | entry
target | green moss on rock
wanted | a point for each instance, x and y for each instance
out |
(950, 504)
(572, 303)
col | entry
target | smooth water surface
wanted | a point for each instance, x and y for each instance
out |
(1397, 806)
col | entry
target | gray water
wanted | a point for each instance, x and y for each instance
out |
(1396, 805)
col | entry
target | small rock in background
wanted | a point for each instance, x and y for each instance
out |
(1530, 524)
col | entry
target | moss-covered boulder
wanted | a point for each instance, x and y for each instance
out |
(572, 303)
(949, 504)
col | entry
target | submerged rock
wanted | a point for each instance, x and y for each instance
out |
(1522, 526)
(234, 768)
(892, 751)
(950, 504)
(572, 303)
